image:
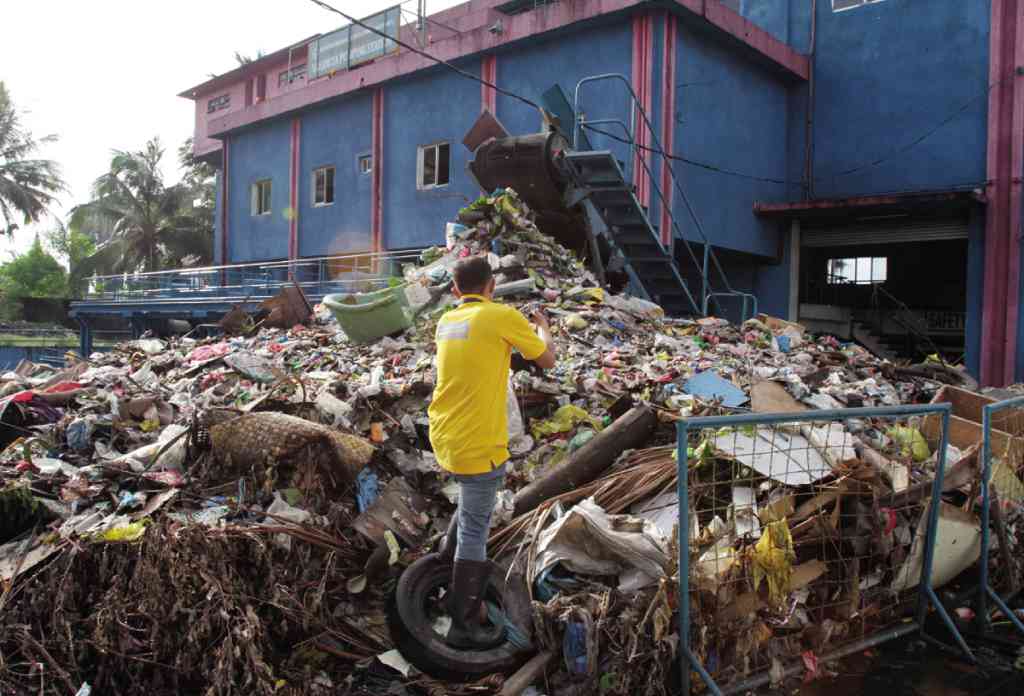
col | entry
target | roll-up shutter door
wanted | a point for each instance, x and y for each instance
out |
(882, 232)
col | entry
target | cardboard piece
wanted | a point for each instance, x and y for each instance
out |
(957, 548)
(772, 397)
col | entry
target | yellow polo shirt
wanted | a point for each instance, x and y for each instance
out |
(468, 417)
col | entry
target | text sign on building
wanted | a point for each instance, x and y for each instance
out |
(352, 45)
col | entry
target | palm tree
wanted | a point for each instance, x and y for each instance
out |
(153, 224)
(28, 186)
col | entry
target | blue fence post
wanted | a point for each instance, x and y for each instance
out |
(985, 589)
(926, 591)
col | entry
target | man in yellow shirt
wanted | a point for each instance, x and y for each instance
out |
(469, 428)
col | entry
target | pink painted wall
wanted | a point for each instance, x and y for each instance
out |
(468, 35)
(203, 143)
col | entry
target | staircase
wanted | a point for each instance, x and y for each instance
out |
(630, 232)
(606, 188)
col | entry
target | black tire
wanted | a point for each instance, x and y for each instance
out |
(418, 642)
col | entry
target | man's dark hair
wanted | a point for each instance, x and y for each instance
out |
(472, 275)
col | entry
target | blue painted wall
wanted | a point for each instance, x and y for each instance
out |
(336, 135)
(260, 153)
(731, 113)
(786, 20)
(888, 73)
(432, 106)
(564, 58)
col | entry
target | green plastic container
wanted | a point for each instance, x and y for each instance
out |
(367, 316)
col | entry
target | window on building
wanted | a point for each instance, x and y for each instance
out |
(286, 77)
(248, 93)
(261, 197)
(323, 186)
(218, 103)
(365, 164)
(862, 270)
(261, 87)
(433, 166)
(840, 5)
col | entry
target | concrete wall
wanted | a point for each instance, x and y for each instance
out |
(434, 106)
(564, 59)
(260, 153)
(887, 74)
(732, 114)
(336, 136)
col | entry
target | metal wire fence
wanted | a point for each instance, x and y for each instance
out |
(806, 536)
(1002, 495)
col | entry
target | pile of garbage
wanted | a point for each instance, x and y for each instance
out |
(229, 514)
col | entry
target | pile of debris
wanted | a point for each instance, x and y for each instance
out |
(228, 515)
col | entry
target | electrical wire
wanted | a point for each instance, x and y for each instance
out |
(695, 163)
(853, 170)
(428, 56)
(680, 158)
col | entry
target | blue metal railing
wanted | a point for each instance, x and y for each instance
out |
(926, 592)
(710, 258)
(316, 276)
(985, 589)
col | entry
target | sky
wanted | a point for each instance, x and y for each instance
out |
(104, 75)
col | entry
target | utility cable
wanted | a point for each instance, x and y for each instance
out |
(853, 170)
(428, 56)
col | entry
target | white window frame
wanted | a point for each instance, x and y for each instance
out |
(256, 200)
(878, 271)
(858, 3)
(334, 181)
(420, 156)
(367, 158)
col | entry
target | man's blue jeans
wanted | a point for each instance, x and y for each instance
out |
(477, 494)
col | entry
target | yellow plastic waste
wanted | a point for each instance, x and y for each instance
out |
(773, 560)
(575, 321)
(566, 418)
(911, 442)
(595, 294)
(1006, 482)
(128, 533)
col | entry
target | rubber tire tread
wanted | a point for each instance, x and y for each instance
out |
(422, 646)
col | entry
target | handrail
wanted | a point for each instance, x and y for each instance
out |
(877, 290)
(284, 263)
(247, 279)
(709, 253)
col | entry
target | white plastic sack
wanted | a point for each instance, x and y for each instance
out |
(589, 541)
(515, 418)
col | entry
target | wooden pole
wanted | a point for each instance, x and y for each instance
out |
(631, 430)
(526, 675)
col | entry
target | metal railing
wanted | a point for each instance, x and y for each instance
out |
(316, 276)
(1007, 419)
(710, 258)
(816, 523)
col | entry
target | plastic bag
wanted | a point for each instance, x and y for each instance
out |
(515, 418)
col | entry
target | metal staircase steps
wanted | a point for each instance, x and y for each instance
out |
(630, 230)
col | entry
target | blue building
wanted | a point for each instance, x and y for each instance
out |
(853, 164)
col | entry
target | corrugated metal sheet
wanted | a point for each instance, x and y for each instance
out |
(883, 232)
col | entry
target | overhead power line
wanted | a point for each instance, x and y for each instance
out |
(695, 163)
(853, 170)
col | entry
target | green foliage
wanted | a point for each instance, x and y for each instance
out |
(33, 274)
(73, 247)
(154, 225)
(28, 185)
